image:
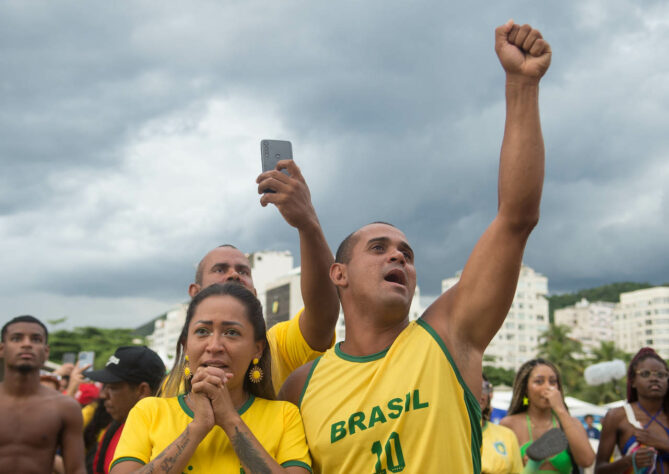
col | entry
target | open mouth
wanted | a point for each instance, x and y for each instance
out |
(396, 276)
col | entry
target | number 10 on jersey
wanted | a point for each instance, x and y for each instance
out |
(394, 456)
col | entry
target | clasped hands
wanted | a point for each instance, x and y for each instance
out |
(210, 398)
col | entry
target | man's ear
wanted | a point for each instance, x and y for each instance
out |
(338, 274)
(2, 350)
(193, 289)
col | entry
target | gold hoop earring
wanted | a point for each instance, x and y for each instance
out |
(255, 374)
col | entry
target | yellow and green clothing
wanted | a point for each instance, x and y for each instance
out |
(404, 409)
(289, 349)
(500, 453)
(154, 423)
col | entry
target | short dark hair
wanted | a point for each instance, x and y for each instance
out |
(343, 254)
(200, 266)
(26, 318)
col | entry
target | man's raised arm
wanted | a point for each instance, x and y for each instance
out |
(321, 303)
(469, 314)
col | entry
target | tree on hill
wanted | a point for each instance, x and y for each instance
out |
(102, 341)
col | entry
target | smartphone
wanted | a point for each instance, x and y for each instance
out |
(85, 358)
(273, 151)
(69, 358)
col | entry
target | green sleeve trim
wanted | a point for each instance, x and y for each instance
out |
(298, 464)
(306, 382)
(126, 459)
(472, 404)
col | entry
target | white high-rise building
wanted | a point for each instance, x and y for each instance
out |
(166, 332)
(590, 322)
(517, 339)
(642, 319)
(266, 266)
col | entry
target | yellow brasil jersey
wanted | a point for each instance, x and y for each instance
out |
(405, 409)
(289, 349)
(500, 453)
(154, 423)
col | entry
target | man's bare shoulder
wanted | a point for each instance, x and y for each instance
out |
(292, 388)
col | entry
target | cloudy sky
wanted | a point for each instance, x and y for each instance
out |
(129, 139)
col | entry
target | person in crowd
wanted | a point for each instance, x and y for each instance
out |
(311, 331)
(227, 421)
(593, 433)
(643, 436)
(36, 420)
(499, 450)
(369, 403)
(131, 374)
(537, 406)
(94, 430)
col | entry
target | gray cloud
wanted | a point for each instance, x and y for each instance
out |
(128, 137)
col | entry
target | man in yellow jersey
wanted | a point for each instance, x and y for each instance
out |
(396, 396)
(311, 331)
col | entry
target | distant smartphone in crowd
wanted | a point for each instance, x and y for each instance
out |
(69, 358)
(273, 151)
(85, 358)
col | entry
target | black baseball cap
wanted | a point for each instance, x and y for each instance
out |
(133, 364)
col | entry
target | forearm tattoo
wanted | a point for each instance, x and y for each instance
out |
(248, 454)
(164, 462)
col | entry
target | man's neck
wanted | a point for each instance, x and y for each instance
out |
(20, 384)
(366, 336)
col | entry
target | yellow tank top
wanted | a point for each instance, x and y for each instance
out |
(405, 409)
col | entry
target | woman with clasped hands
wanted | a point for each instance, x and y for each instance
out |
(227, 420)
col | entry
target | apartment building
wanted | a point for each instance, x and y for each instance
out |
(590, 322)
(517, 339)
(642, 319)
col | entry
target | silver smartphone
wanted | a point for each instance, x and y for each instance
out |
(273, 151)
(86, 357)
